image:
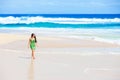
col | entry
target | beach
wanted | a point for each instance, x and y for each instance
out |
(70, 47)
(58, 58)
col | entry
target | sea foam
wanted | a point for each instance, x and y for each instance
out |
(37, 19)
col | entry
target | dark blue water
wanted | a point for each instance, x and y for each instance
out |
(105, 21)
(65, 15)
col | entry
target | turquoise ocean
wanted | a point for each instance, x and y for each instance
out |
(99, 27)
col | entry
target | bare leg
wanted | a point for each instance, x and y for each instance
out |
(33, 54)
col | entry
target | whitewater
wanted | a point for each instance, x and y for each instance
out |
(105, 28)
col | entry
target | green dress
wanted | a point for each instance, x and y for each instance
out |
(32, 44)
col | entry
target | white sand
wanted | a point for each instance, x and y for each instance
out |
(51, 66)
(58, 59)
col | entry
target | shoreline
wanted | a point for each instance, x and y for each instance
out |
(54, 42)
(98, 35)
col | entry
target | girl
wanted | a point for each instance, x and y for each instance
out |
(32, 44)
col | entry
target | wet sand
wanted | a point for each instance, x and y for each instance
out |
(58, 59)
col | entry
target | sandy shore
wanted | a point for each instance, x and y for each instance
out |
(58, 59)
(53, 42)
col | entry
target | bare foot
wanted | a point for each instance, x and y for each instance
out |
(33, 57)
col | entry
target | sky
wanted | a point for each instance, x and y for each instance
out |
(59, 6)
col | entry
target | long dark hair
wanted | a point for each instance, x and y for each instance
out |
(34, 37)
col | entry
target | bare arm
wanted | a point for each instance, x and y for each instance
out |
(37, 45)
